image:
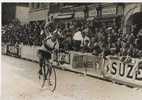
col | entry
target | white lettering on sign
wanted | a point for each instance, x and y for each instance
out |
(107, 11)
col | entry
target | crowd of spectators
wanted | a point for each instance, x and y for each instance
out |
(28, 34)
(82, 36)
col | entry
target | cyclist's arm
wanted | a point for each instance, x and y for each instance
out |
(57, 46)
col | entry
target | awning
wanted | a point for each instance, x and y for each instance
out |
(108, 16)
(90, 18)
(64, 16)
(137, 18)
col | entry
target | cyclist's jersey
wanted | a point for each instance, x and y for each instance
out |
(49, 45)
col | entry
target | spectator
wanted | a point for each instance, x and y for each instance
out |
(139, 40)
(77, 35)
(124, 49)
(86, 47)
(97, 49)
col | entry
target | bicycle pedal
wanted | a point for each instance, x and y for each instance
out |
(50, 84)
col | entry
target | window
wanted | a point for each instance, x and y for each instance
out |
(32, 5)
(38, 5)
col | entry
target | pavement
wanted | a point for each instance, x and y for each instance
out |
(20, 82)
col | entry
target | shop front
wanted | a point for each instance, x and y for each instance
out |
(134, 23)
(109, 17)
(64, 18)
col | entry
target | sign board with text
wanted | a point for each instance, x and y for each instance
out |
(13, 50)
(129, 72)
(62, 57)
(109, 11)
(90, 63)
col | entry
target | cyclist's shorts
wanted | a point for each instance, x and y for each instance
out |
(44, 54)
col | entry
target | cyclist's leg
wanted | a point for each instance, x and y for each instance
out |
(40, 62)
(49, 69)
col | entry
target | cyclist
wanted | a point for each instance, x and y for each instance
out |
(49, 45)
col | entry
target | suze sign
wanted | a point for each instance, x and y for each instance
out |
(126, 72)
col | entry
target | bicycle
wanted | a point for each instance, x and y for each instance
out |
(48, 74)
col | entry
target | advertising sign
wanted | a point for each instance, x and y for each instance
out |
(62, 57)
(13, 50)
(129, 72)
(108, 11)
(77, 61)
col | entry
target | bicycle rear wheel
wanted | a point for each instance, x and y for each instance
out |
(51, 78)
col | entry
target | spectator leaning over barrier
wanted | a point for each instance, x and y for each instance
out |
(86, 48)
(67, 44)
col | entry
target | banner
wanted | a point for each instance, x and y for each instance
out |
(62, 57)
(13, 50)
(129, 72)
(3, 48)
(121, 69)
(77, 61)
(30, 52)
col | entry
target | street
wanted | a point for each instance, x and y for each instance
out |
(20, 82)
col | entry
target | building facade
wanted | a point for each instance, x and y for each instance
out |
(38, 12)
(126, 16)
(122, 15)
(12, 11)
(106, 13)
(22, 14)
(132, 17)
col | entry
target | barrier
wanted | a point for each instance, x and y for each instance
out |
(129, 72)
(87, 63)
(62, 57)
(13, 50)
(29, 52)
(3, 49)
(113, 68)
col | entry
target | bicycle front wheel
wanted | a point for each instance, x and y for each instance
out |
(52, 78)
